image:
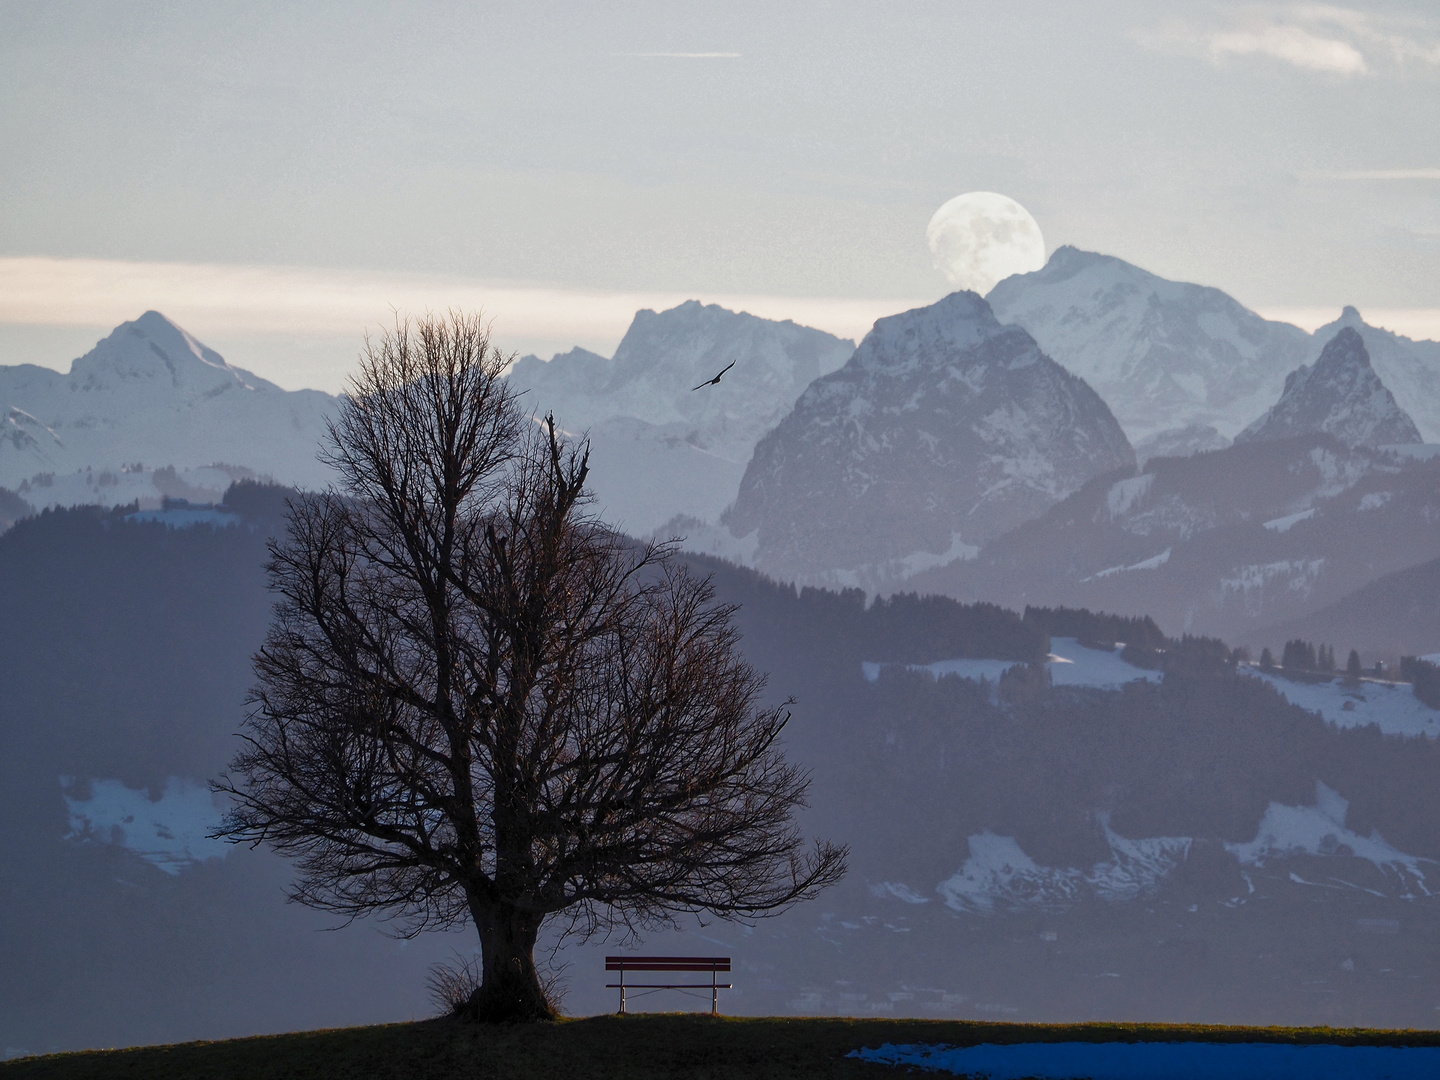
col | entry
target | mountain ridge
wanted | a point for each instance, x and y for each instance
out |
(943, 429)
(663, 444)
(1341, 395)
(151, 396)
(1163, 354)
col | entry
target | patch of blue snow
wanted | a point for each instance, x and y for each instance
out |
(1072, 664)
(186, 517)
(170, 832)
(1164, 1061)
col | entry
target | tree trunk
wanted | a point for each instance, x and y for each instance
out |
(510, 988)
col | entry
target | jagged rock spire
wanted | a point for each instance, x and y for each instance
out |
(1339, 394)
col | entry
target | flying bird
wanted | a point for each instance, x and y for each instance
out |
(716, 380)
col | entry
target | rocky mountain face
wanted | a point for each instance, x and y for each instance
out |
(944, 430)
(148, 412)
(1225, 543)
(1339, 394)
(1165, 355)
(1411, 369)
(661, 447)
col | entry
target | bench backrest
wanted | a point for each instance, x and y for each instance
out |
(667, 963)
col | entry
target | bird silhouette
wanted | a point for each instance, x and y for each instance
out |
(716, 380)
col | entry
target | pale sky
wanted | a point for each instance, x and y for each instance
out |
(277, 176)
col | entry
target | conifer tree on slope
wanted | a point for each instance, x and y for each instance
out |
(478, 703)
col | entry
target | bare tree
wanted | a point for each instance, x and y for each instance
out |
(478, 702)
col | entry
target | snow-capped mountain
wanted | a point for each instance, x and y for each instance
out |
(1339, 394)
(942, 431)
(1411, 369)
(1164, 355)
(662, 448)
(1223, 543)
(151, 408)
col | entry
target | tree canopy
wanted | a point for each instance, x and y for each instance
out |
(477, 702)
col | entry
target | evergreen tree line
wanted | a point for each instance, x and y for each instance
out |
(1094, 629)
(1301, 655)
(1424, 677)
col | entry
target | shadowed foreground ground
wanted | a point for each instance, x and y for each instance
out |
(644, 1046)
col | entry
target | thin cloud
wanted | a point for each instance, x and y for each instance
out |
(1320, 38)
(1293, 44)
(216, 298)
(683, 55)
(1381, 174)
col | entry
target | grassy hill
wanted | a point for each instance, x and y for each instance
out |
(639, 1047)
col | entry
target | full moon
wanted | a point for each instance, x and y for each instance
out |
(980, 237)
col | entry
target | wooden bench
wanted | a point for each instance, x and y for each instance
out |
(713, 964)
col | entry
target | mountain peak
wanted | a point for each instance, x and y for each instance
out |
(939, 333)
(1410, 369)
(667, 439)
(1339, 394)
(150, 397)
(1165, 355)
(154, 350)
(1346, 347)
(945, 429)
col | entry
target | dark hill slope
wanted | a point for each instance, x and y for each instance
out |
(1395, 615)
(125, 655)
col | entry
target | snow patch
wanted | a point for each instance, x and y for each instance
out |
(1072, 664)
(924, 560)
(1284, 524)
(1300, 572)
(1392, 707)
(897, 890)
(170, 832)
(998, 873)
(1320, 830)
(1152, 563)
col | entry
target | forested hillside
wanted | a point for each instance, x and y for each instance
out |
(1188, 804)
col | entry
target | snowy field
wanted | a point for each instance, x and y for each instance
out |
(1390, 706)
(169, 832)
(999, 875)
(1070, 664)
(1164, 1061)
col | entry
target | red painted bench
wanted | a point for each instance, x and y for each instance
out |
(713, 964)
